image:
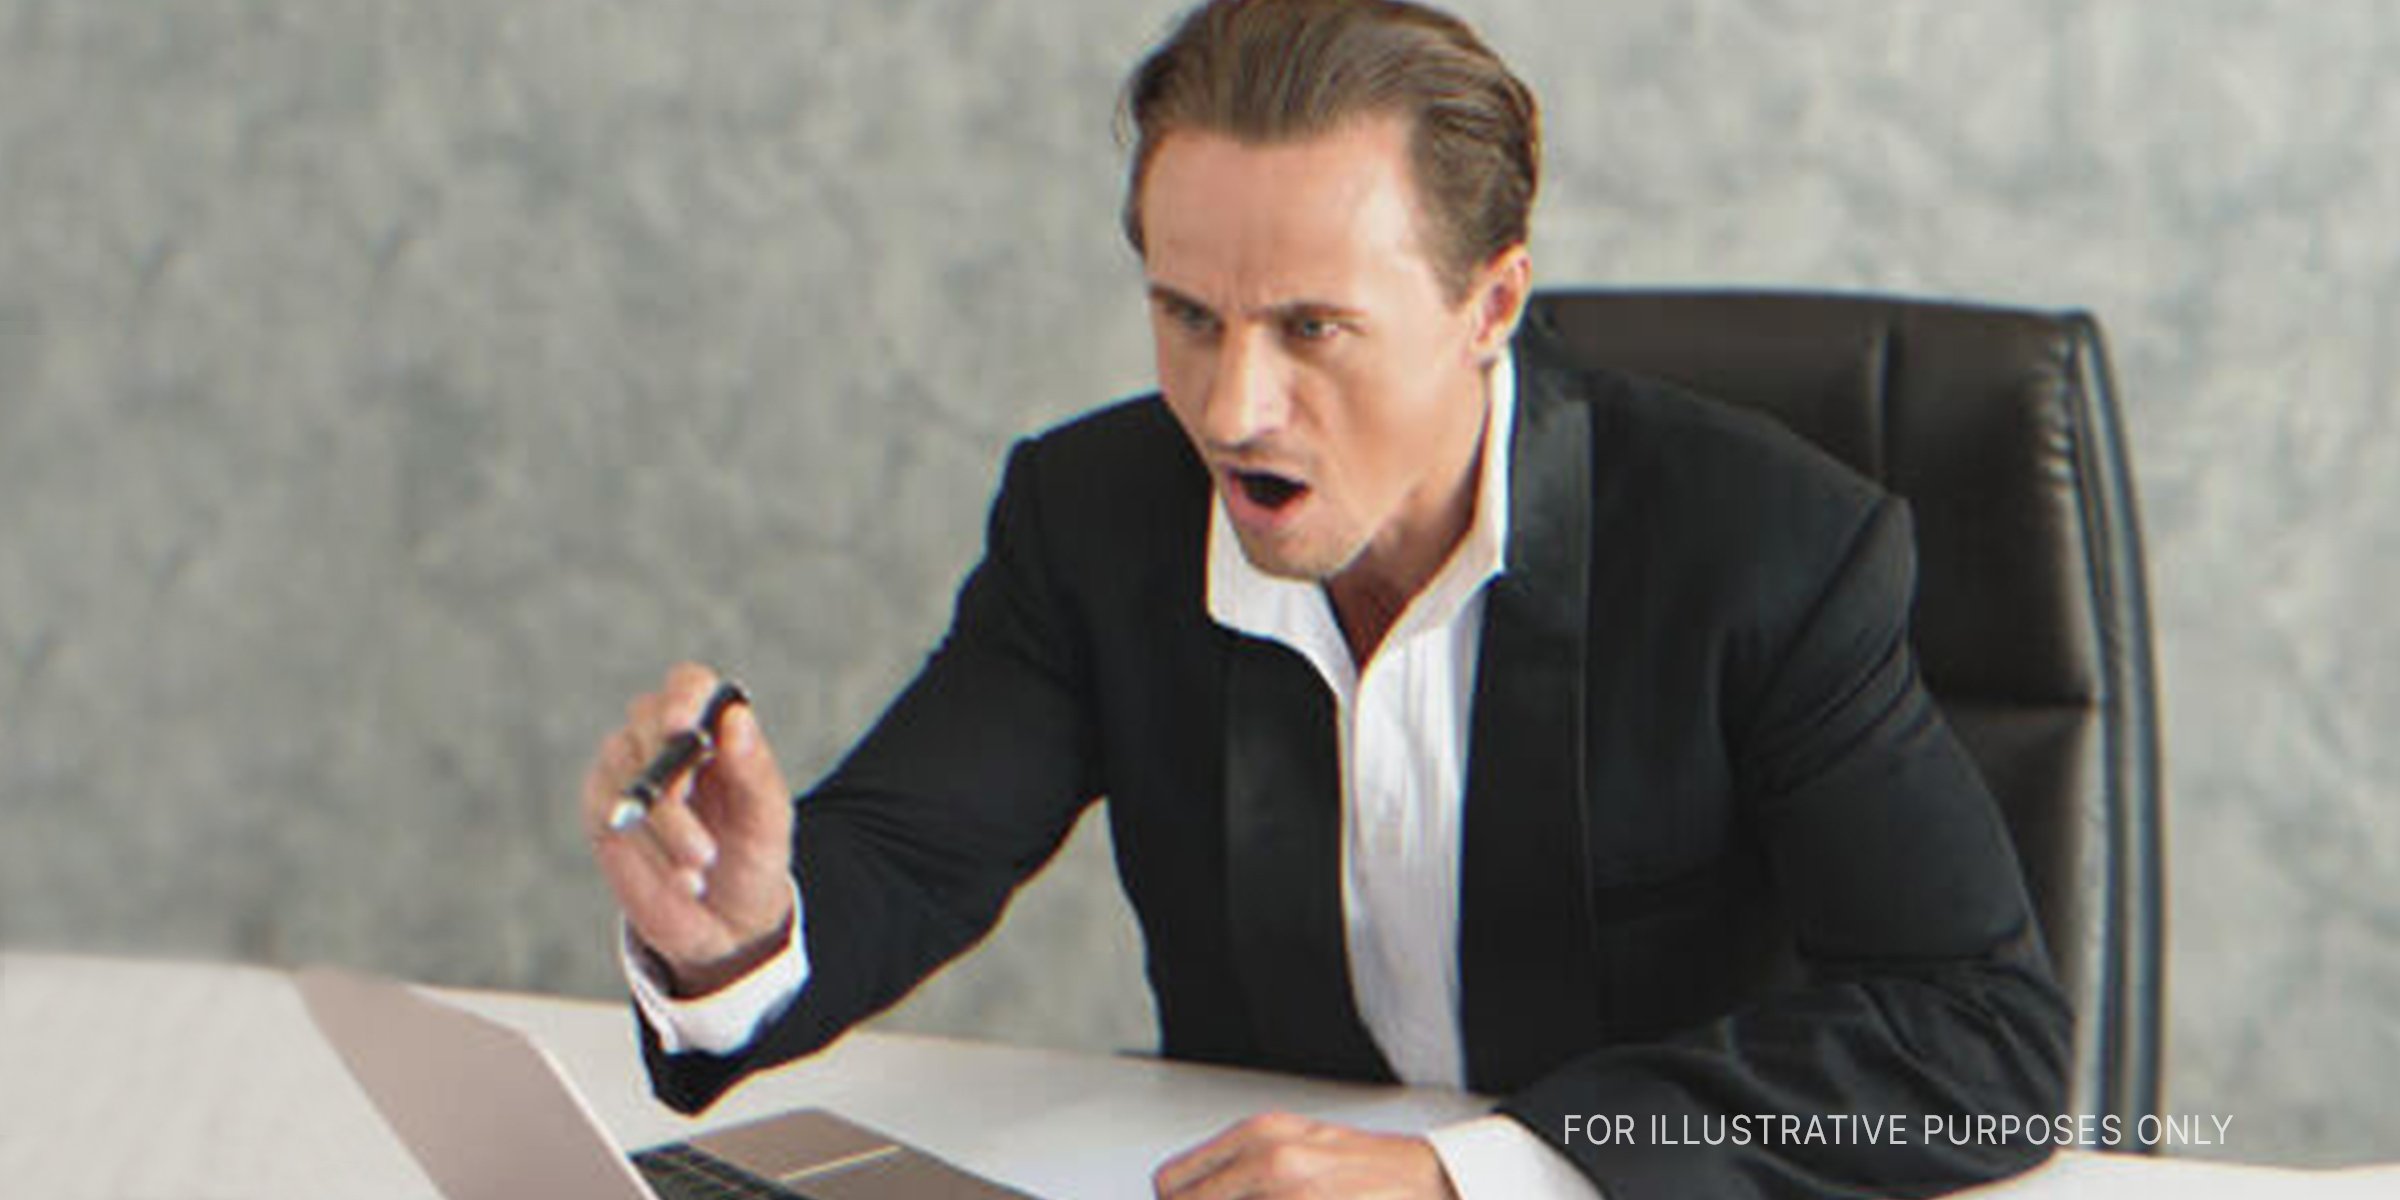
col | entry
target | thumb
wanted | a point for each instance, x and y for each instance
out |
(757, 812)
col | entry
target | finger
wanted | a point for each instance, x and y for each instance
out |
(680, 832)
(607, 791)
(743, 794)
(1240, 1176)
(636, 859)
(645, 722)
(658, 894)
(1180, 1175)
(659, 889)
(685, 695)
(674, 736)
(744, 804)
(614, 762)
(675, 706)
(657, 901)
(675, 852)
(1259, 1156)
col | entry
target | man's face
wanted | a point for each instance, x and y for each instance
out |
(1307, 347)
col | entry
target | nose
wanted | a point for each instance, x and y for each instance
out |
(1246, 395)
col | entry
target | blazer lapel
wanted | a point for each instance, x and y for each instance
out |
(1284, 857)
(1526, 932)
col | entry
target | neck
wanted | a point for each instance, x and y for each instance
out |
(1370, 594)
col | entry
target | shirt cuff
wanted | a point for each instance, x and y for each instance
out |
(1495, 1158)
(724, 1020)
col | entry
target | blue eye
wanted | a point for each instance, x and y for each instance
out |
(1310, 329)
(1192, 317)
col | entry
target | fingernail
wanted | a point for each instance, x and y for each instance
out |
(696, 883)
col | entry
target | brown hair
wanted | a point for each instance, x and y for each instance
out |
(1283, 70)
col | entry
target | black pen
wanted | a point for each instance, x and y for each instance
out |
(686, 749)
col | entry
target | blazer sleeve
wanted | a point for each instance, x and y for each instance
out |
(1926, 987)
(908, 851)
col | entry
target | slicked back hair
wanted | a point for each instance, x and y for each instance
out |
(1277, 71)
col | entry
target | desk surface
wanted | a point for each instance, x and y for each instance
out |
(134, 1079)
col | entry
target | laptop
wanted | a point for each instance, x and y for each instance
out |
(490, 1116)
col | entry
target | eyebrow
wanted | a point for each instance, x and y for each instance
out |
(1285, 310)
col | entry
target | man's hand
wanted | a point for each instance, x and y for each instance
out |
(705, 879)
(1279, 1155)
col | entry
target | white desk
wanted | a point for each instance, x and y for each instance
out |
(129, 1080)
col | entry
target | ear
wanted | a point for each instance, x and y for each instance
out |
(1502, 287)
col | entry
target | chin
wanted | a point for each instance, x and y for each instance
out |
(1295, 561)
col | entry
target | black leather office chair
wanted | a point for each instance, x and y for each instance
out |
(1999, 427)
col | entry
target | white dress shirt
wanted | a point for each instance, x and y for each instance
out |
(1403, 728)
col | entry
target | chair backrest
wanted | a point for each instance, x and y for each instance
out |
(2000, 429)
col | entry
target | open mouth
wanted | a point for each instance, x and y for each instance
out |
(1268, 491)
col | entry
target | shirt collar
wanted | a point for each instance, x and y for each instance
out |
(1247, 600)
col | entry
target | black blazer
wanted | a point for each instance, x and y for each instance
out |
(1722, 856)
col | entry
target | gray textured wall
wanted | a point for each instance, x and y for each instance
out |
(389, 389)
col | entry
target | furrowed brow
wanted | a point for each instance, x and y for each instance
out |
(1167, 295)
(1322, 310)
(1282, 311)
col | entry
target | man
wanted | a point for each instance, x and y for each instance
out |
(1464, 719)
